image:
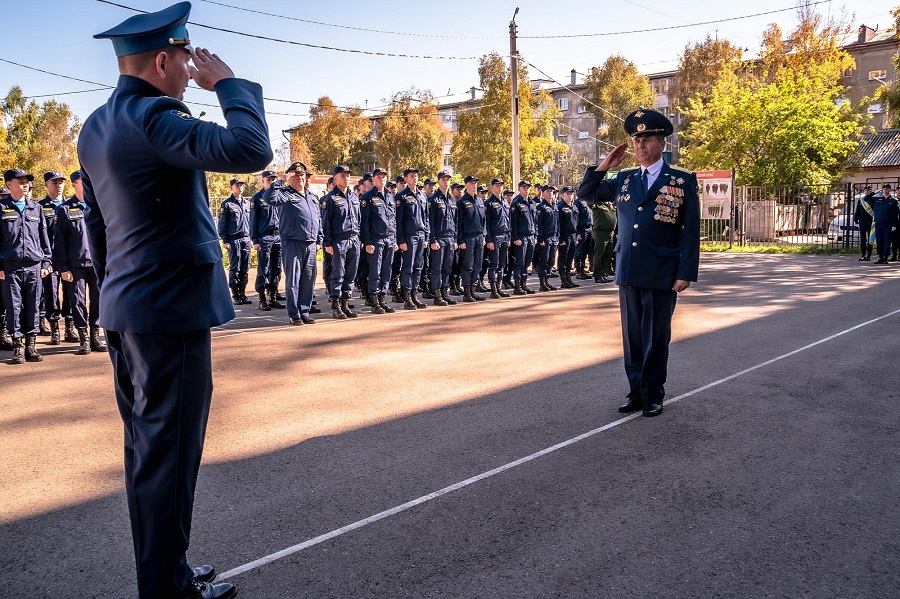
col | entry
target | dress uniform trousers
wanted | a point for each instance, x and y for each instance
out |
(426, 266)
(300, 276)
(344, 263)
(497, 258)
(883, 238)
(546, 255)
(163, 385)
(239, 262)
(362, 271)
(441, 263)
(470, 258)
(524, 255)
(21, 297)
(865, 229)
(326, 272)
(268, 266)
(52, 304)
(583, 249)
(566, 253)
(82, 289)
(380, 263)
(646, 332)
(413, 260)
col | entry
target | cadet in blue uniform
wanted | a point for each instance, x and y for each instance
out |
(300, 232)
(470, 224)
(496, 211)
(234, 229)
(568, 234)
(412, 233)
(658, 252)
(53, 303)
(584, 247)
(24, 261)
(885, 217)
(6, 342)
(340, 228)
(863, 216)
(442, 239)
(361, 281)
(162, 286)
(378, 229)
(267, 243)
(72, 260)
(547, 237)
(523, 230)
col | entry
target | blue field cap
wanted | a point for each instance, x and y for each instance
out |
(151, 31)
(75, 176)
(53, 175)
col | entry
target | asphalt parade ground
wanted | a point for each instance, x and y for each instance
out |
(475, 451)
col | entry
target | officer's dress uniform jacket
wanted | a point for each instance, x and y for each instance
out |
(412, 230)
(156, 253)
(264, 233)
(340, 228)
(379, 229)
(71, 253)
(24, 252)
(658, 243)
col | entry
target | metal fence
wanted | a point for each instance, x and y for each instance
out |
(817, 215)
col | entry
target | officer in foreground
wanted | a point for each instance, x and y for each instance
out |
(658, 257)
(162, 286)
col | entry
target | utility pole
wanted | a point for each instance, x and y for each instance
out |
(514, 96)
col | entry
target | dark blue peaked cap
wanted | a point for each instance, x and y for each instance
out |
(151, 31)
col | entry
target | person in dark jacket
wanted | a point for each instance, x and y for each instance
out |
(159, 265)
(72, 260)
(412, 235)
(54, 303)
(585, 239)
(378, 230)
(340, 229)
(496, 209)
(523, 232)
(548, 236)
(568, 235)
(267, 243)
(442, 239)
(863, 217)
(234, 229)
(471, 223)
(886, 218)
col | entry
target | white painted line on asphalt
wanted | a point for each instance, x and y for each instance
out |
(465, 483)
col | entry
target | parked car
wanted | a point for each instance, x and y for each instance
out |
(843, 226)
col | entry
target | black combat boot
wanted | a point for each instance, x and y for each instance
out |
(18, 351)
(336, 311)
(475, 296)
(44, 327)
(376, 305)
(381, 302)
(507, 282)
(6, 342)
(495, 290)
(467, 293)
(426, 292)
(97, 343)
(517, 290)
(273, 301)
(345, 307)
(31, 352)
(263, 304)
(244, 297)
(54, 333)
(445, 293)
(236, 297)
(71, 333)
(459, 286)
(572, 284)
(480, 286)
(566, 279)
(407, 300)
(84, 344)
(543, 284)
(415, 300)
(438, 298)
(549, 286)
(525, 287)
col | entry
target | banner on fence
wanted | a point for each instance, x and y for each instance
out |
(716, 190)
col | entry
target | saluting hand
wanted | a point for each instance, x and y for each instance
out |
(614, 158)
(208, 69)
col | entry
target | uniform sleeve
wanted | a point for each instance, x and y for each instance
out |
(254, 221)
(60, 243)
(460, 217)
(425, 219)
(274, 194)
(431, 215)
(513, 223)
(185, 142)
(327, 210)
(364, 218)
(596, 187)
(320, 239)
(223, 222)
(93, 219)
(401, 207)
(45, 245)
(689, 263)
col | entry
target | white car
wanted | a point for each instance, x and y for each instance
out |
(843, 226)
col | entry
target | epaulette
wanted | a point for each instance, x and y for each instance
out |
(683, 170)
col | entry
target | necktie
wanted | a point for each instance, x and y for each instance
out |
(644, 180)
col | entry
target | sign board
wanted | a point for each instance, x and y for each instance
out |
(716, 190)
(316, 183)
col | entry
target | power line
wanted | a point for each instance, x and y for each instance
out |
(351, 28)
(608, 33)
(80, 91)
(24, 66)
(304, 44)
(571, 90)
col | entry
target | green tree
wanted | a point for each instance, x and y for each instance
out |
(411, 134)
(482, 145)
(700, 68)
(782, 122)
(618, 89)
(330, 134)
(39, 137)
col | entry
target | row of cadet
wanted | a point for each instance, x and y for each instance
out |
(403, 238)
(877, 217)
(45, 268)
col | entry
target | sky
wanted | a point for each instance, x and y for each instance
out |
(59, 40)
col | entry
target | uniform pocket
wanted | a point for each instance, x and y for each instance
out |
(207, 252)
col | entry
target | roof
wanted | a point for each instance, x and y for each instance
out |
(880, 149)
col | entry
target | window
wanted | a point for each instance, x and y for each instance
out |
(582, 135)
(448, 118)
(582, 109)
(877, 75)
(562, 130)
(563, 103)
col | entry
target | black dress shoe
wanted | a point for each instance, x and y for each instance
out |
(204, 573)
(206, 590)
(632, 405)
(307, 320)
(654, 409)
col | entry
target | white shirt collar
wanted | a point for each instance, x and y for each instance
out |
(654, 169)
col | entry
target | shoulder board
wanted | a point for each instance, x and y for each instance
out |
(682, 170)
